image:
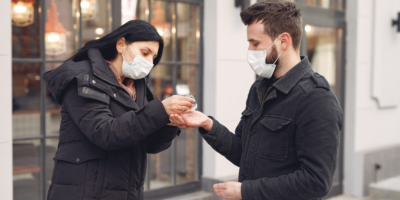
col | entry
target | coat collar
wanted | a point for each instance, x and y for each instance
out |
(293, 76)
(100, 66)
(101, 69)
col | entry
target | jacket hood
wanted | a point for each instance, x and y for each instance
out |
(59, 78)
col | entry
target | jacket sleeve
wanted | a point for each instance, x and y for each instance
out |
(161, 139)
(96, 121)
(319, 119)
(225, 142)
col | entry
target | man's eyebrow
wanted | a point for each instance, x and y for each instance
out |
(252, 40)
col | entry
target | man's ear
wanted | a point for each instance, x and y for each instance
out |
(121, 45)
(286, 41)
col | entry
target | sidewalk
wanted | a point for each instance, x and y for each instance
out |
(347, 197)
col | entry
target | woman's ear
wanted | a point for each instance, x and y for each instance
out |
(121, 45)
(285, 41)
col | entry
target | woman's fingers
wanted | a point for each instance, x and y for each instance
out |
(185, 103)
(185, 99)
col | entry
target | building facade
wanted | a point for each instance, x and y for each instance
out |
(351, 42)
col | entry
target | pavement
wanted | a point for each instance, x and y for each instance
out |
(347, 197)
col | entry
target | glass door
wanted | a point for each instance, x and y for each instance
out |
(323, 43)
(175, 170)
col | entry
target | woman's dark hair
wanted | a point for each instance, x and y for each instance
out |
(132, 31)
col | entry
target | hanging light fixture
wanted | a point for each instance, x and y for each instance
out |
(55, 36)
(22, 12)
(162, 26)
(88, 9)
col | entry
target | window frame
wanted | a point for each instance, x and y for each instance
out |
(116, 22)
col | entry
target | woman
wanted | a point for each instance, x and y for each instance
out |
(110, 120)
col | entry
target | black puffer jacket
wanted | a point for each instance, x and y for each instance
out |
(104, 134)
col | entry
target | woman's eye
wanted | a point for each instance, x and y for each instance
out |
(144, 53)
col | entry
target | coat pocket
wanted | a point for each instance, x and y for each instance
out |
(274, 141)
(78, 165)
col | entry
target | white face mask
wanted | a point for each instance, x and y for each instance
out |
(138, 68)
(257, 59)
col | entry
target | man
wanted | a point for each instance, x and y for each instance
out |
(287, 140)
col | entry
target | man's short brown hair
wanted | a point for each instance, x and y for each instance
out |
(278, 16)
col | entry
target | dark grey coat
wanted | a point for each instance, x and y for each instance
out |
(286, 146)
(104, 134)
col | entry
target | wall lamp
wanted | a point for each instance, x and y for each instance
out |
(242, 3)
(397, 22)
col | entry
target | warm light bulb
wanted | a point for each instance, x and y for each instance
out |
(99, 31)
(53, 37)
(85, 4)
(173, 30)
(308, 28)
(20, 8)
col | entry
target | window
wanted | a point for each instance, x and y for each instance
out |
(47, 32)
(178, 73)
(41, 41)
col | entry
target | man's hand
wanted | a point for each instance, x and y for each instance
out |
(229, 190)
(194, 119)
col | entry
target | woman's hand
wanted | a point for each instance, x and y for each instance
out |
(194, 119)
(178, 104)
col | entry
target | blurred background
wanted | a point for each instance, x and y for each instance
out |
(355, 44)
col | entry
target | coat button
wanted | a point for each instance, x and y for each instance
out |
(77, 160)
(252, 132)
(115, 95)
(93, 81)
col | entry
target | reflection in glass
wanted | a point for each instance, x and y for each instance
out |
(163, 19)
(88, 9)
(26, 170)
(185, 143)
(26, 38)
(62, 29)
(134, 9)
(327, 4)
(51, 148)
(22, 12)
(99, 25)
(161, 81)
(26, 99)
(323, 51)
(55, 37)
(188, 32)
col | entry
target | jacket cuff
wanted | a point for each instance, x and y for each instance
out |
(213, 128)
(249, 189)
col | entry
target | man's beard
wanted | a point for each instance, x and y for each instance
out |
(272, 57)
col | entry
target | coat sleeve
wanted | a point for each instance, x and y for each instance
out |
(319, 121)
(161, 139)
(225, 142)
(96, 121)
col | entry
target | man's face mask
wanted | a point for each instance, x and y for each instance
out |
(257, 61)
(138, 68)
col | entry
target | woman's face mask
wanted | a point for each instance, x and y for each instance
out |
(138, 68)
